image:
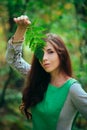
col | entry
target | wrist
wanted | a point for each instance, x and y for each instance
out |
(22, 28)
(17, 41)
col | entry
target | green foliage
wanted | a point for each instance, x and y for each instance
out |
(34, 38)
(16, 122)
(12, 116)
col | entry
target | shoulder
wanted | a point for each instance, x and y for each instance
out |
(77, 91)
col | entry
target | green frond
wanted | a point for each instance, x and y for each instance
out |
(34, 39)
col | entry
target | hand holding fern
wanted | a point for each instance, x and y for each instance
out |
(22, 23)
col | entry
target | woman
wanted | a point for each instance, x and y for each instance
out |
(52, 95)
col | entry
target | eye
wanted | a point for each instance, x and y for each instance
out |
(50, 52)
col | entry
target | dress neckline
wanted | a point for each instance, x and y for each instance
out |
(58, 87)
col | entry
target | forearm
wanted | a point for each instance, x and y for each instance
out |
(19, 35)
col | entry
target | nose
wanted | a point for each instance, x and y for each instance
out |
(45, 57)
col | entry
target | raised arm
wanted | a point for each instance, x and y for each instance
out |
(14, 48)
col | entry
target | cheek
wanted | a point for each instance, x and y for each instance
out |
(56, 58)
(56, 61)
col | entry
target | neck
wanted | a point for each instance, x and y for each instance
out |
(59, 78)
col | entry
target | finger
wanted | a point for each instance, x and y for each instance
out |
(27, 22)
(18, 20)
(24, 17)
(15, 20)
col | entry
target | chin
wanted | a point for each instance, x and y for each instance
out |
(48, 70)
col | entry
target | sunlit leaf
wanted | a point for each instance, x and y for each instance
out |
(34, 39)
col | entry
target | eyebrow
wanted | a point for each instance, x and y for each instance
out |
(50, 49)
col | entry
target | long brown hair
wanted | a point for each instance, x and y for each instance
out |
(38, 79)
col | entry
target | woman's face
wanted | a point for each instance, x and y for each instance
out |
(50, 61)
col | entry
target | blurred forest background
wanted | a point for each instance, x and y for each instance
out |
(68, 18)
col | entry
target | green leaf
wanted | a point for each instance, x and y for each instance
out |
(34, 39)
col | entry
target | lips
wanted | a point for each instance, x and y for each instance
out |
(46, 65)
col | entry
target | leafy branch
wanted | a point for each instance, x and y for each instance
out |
(34, 38)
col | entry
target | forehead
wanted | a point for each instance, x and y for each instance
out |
(48, 46)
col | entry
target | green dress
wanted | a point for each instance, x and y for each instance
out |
(46, 113)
